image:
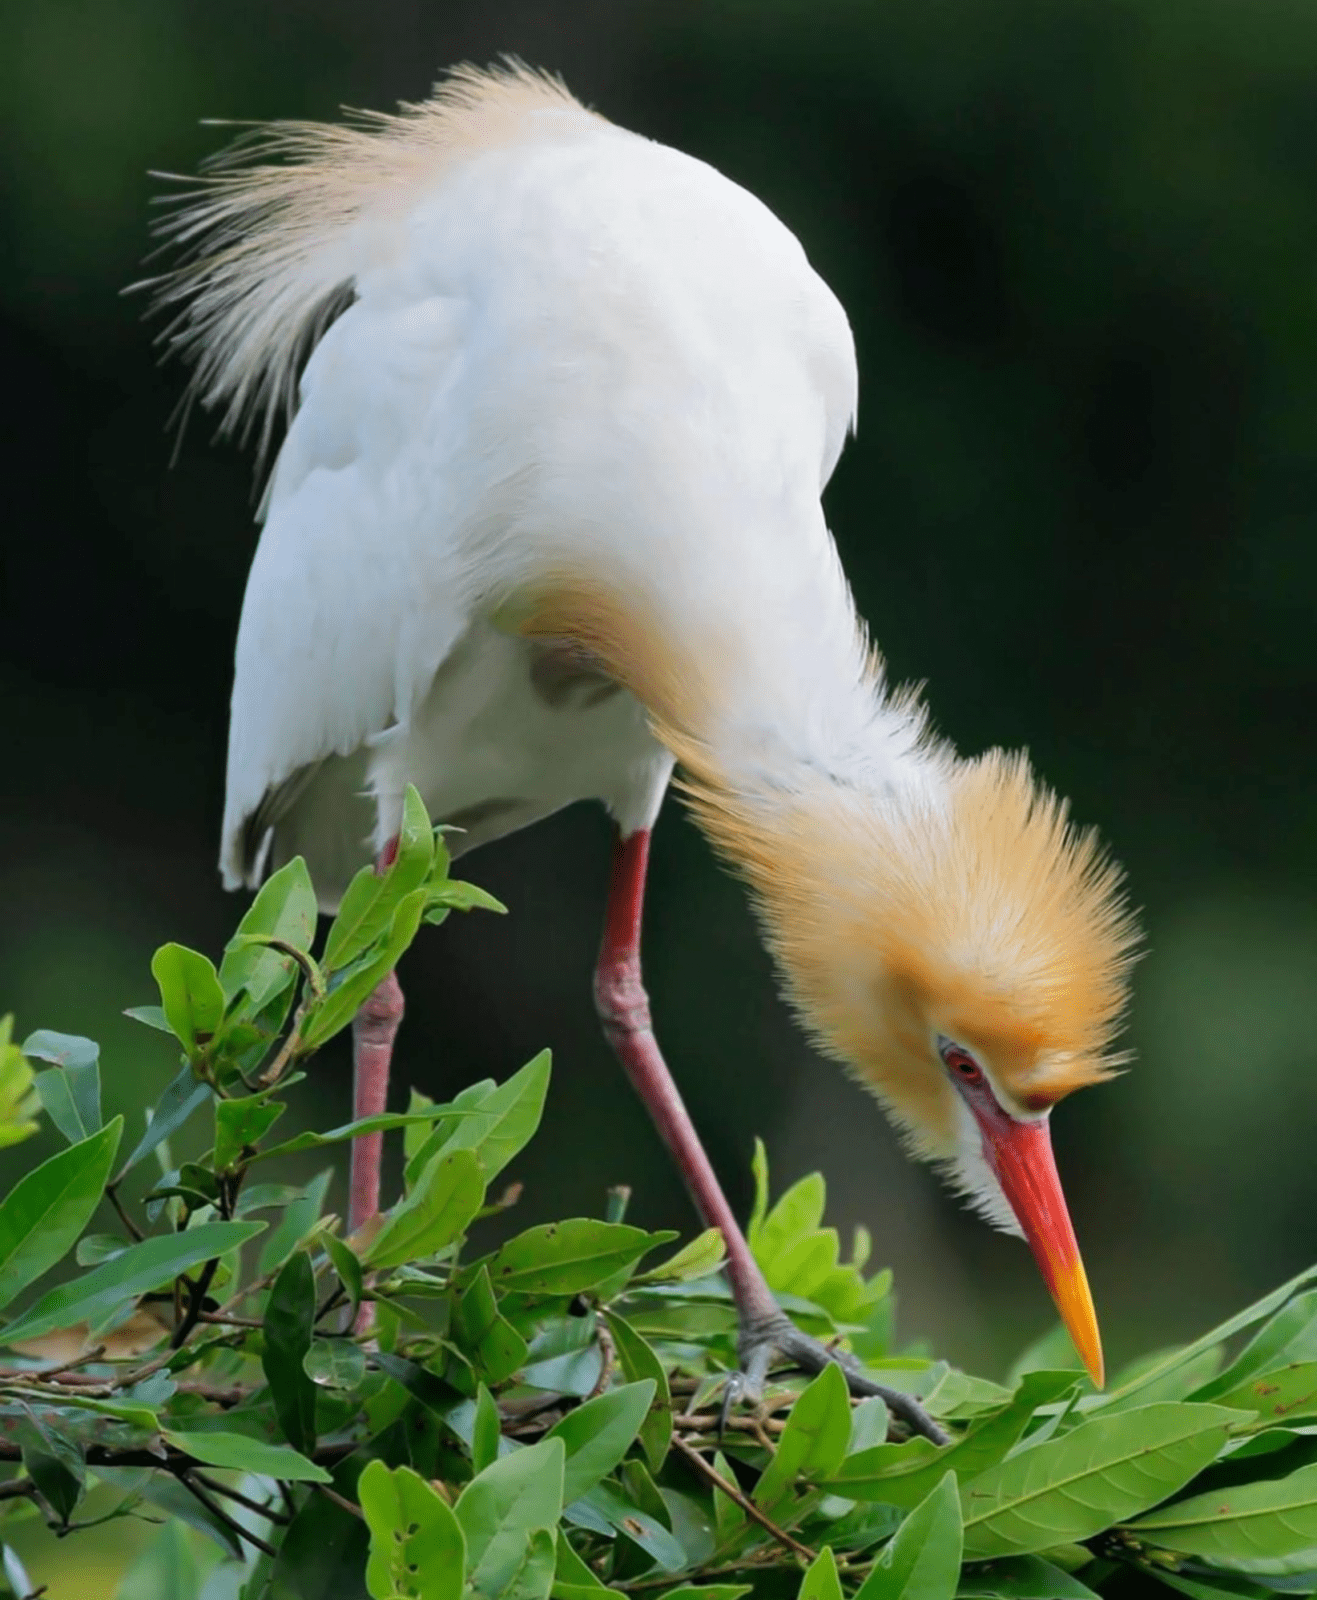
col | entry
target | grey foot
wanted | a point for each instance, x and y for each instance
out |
(779, 1336)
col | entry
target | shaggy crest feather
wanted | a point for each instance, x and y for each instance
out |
(286, 219)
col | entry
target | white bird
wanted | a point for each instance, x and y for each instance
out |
(547, 520)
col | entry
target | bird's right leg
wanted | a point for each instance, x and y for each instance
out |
(623, 1008)
(374, 1028)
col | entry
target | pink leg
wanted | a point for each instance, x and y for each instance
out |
(373, 1033)
(623, 1008)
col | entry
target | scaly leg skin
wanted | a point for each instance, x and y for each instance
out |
(374, 1029)
(623, 1008)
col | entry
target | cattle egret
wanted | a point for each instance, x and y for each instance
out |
(546, 521)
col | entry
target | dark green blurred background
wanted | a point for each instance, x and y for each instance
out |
(1078, 245)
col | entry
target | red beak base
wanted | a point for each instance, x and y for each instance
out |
(1020, 1153)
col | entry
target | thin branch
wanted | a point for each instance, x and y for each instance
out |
(221, 1515)
(112, 1195)
(339, 1500)
(735, 1493)
(196, 1299)
(231, 1321)
(216, 1487)
(18, 1489)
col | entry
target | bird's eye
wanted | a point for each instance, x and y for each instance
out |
(959, 1061)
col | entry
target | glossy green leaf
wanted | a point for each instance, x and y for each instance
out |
(437, 1212)
(190, 993)
(599, 1433)
(639, 1363)
(345, 998)
(487, 1432)
(414, 1136)
(1284, 1395)
(813, 1443)
(702, 1256)
(184, 1095)
(502, 1510)
(72, 1093)
(572, 1579)
(284, 909)
(708, 1591)
(567, 1257)
(796, 1215)
(241, 1453)
(348, 1267)
(290, 1313)
(1080, 1483)
(903, 1474)
(1288, 1338)
(334, 1363)
(1021, 1578)
(344, 1133)
(607, 1505)
(498, 1127)
(417, 1549)
(1241, 1526)
(143, 1266)
(297, 1222)
(922, 1562)
(821, 1581)
(371, 900)
(484, 1333)
(240, 1124)
(43, 1214)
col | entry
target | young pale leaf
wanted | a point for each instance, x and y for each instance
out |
(504, 1507)
(568, 1257)
(240, 1124)
(638, 1363)
(417, 1551)
(1023, 1578)
(43, 1214)
(345, 998)
(19, 1101)
(1240, 1527)
(290, 1315)
(284, 909)
(498, 1128)
(903, 1474)
(143, 1266)
(797, 1215)
(241, 1453)
(367, 908)
(183, 1096)
(487, 1432)
(702, 1256)
(1282, 1395)
(922, 1562)
(813, 1443)
(72, 1093)
(821, 1581)
(484, 1333)
(190, 994)
(1080, 1483)
(438, 1211)
(599, 1433)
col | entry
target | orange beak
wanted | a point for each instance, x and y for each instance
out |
(1020, 1153)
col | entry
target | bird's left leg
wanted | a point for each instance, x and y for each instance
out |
(374, 1028)
(623, 1008)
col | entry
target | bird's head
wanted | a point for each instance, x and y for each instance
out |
(964, 951)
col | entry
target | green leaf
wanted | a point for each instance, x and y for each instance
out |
(184, 1094)
(610, 1506)
(1080, 1483)
(572, 1579)
(43, 1214)
(19, 1101)
(284, 909)
(417, 1551)
(821, 1581)
(1290, 1337)
(72, 1093)
(241, 1453)
(296, 1223)
(567, 1257)
(165, 1570)
(1022, 1578)
(813, 1443)
(902, 1474)
(438, 1211)
(290, 1314)
(240, 1124)
(311, 1140)
(190, 994)
(498, 1128)
(334, 1363)
(639, 1362)
(484, 1333)
(348, 1267)
(922, 1562)
(453, 895)
(372, 898)
(417, 1133)
(1238, 1527)
(702, 1256)
(345, 998)
(796, 1215)
(599, 1433)
(143, 1266)
(487, 1432)
(503, 1508)
(1282, 1395)
(759, 1168)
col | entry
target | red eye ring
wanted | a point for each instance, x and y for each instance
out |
(961, 1062)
